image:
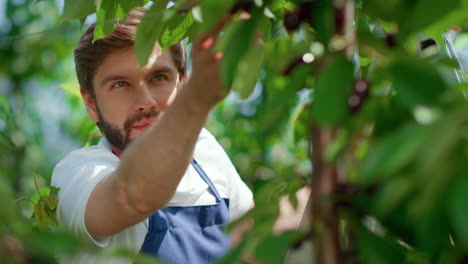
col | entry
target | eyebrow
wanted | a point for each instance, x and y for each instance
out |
(162, 69)
(155, 70)
(112, 78)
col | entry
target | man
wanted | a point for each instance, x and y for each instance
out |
(157, 182)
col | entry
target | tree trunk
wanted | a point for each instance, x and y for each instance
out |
(325, 218)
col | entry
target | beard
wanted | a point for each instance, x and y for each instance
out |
(118, 136)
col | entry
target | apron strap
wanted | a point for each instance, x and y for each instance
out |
(205, 177)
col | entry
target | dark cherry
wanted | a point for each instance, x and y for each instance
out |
(294, 18)
(291, 20)
(354, 103)
(372, 188)
(361, 88)
(390, 40)
(340, 19)
(346, 189)
(305, 10)
(359, 95)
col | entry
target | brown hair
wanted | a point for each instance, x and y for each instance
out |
(88, 55)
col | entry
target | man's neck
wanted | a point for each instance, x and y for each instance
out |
(116, 150)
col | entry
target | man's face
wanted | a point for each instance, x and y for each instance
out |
(128, 99)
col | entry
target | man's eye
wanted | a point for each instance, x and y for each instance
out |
(119, 84)
(159, 77)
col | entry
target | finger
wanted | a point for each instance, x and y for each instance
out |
(207, 43)
(244, 15)
(218, 56)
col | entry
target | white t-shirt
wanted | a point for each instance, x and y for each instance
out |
(79, 172)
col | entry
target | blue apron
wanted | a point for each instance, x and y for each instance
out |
(189, 234)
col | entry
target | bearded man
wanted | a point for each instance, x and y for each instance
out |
(157, 182)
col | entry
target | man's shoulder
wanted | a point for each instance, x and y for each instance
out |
(205, 134)
(93, 156)
(208, 144)
(95, 153)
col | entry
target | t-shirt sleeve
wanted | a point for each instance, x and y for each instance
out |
(239, 194)
(76, 177)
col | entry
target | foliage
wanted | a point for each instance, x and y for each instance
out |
(400, 118)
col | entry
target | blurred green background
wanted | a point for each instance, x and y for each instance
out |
(404, 152)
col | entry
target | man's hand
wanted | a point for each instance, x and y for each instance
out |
(206, 80)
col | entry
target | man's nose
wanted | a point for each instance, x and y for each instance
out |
(144, 99)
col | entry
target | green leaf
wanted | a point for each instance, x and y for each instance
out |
(268, 196)
(78, 9)
(124, 7)
(8, 210)
(235, 44)
(248, 71)
(282, 91)
(413, 16)
(5, 142)
(442, 25)
(150, 29)
(365, 61)
(185, 5)
(53, 191)
(418, 257)
(40, 214)
(106, 17)
(145, 259)
(4, 105)
(457, 210)
(337, 147)
(392, 194)
(274, 248)
(394, 9)
(300, 118)
(330, 104)
(395, 151)
(233, 256)
(212, 12)
(51, 202)
(424, 12)
(82, 21)
(177, 29)
(373, 249)
(323, 21)
(50, 217)
(36, 184)
(416, 83)
(51, 242)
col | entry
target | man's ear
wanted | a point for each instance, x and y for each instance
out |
(90, 105)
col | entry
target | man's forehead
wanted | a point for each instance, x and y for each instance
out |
(153, 57)
(157, 56)
(125, 61)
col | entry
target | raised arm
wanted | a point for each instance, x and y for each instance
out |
(153, 164)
